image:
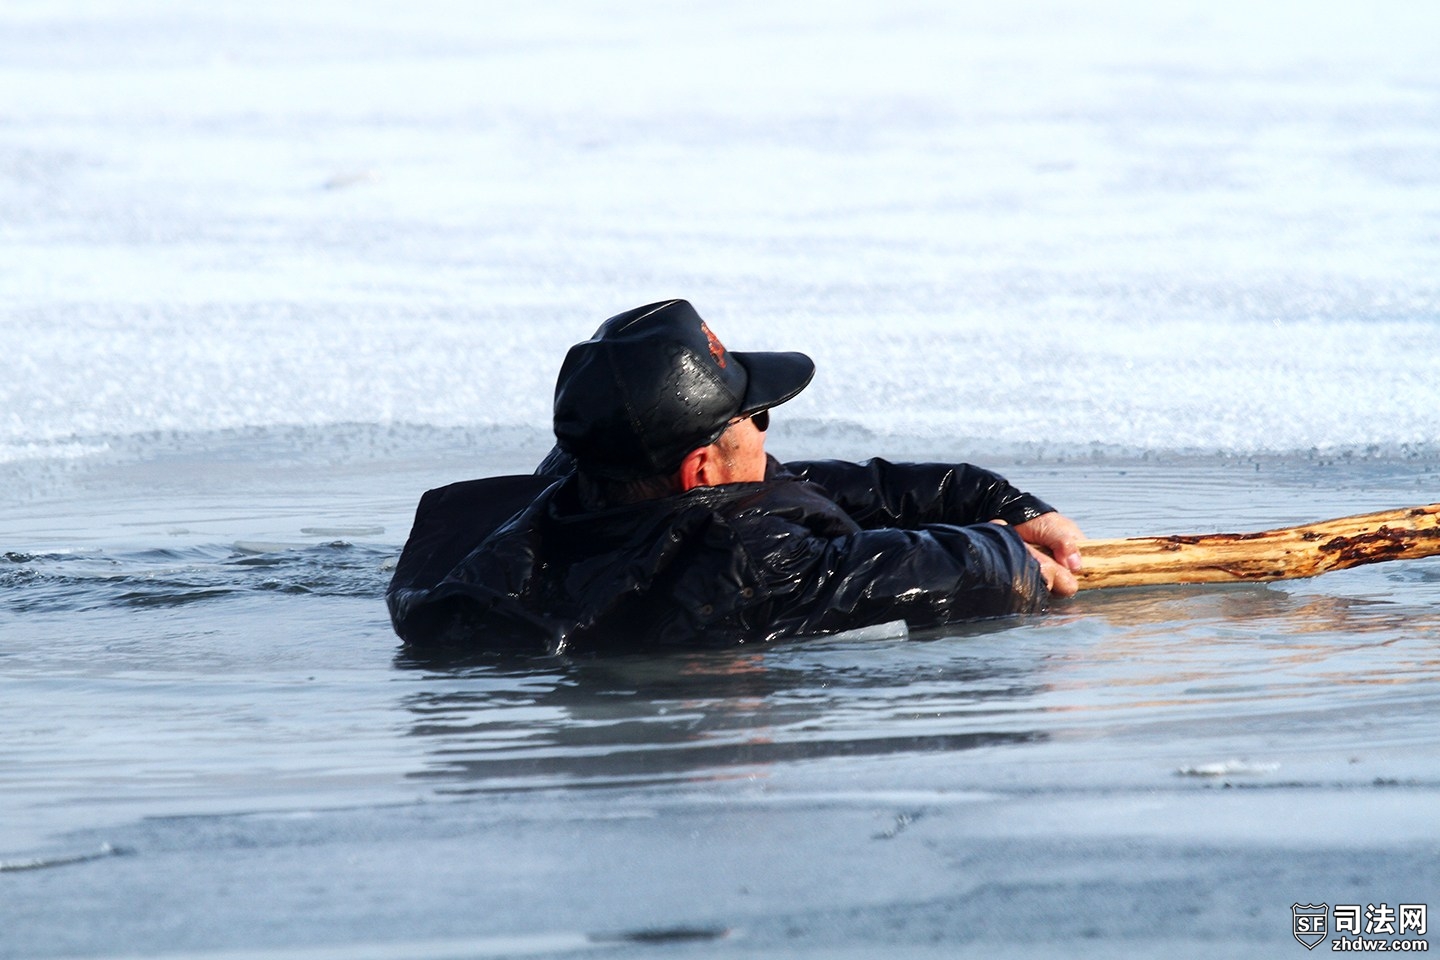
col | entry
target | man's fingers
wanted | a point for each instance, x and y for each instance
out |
(1058, 580)
(1065, 541)
(1064, 584)
(1056, 533)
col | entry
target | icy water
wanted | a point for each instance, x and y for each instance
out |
(212, 742)
(269, 273)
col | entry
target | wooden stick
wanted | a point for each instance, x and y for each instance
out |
(1281, 554)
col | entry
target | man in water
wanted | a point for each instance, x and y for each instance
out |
(659, 520)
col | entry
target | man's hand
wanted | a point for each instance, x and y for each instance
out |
(1061, 538)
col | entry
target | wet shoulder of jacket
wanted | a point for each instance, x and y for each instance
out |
(556, 463)
(879, 493)
(426, 601)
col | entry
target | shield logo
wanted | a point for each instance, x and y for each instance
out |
(1308, 923)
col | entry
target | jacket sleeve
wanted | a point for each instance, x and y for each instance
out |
(878, 493)
(929, 576)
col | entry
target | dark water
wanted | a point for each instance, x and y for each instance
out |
(176, 705)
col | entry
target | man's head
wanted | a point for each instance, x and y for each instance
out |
(654, 385)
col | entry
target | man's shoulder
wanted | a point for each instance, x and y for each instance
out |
(782, 503)
(452, 520)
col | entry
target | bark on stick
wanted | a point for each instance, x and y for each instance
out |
(1282, 554)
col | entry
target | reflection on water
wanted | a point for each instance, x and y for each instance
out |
(1277, 666)
(714, 714)
(1158, 667)
(1266, 607)
(1329, 637)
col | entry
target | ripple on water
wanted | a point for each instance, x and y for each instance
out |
(85, 580)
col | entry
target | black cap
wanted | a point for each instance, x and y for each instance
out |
(654, 383)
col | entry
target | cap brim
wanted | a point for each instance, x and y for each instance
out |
(774, 378)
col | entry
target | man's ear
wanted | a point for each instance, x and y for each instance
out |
(698, 468)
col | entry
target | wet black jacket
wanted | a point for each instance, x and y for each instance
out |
(817, 547)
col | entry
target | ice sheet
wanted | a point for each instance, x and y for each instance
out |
(1207, 226)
